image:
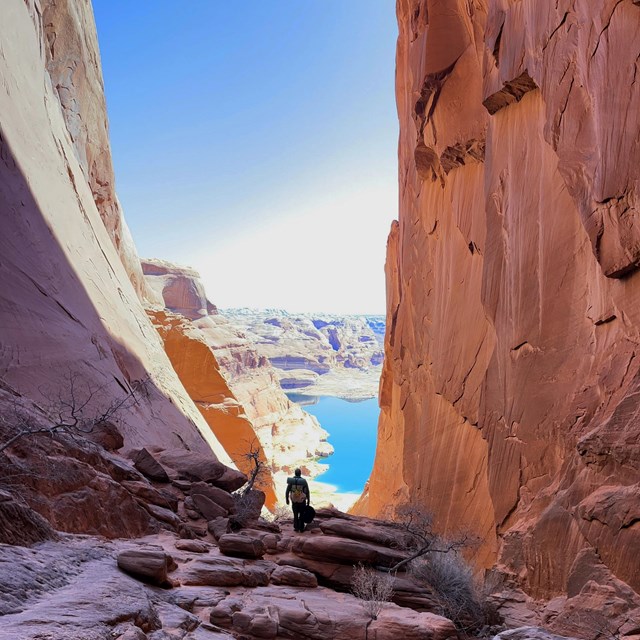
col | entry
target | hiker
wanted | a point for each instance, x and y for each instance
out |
(298, 491)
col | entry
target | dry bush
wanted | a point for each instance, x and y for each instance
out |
(373, 588)
(417, 537)
(280, 514)
(454, 586)
(247, 508)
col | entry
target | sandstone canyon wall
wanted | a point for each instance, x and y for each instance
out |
(70, 280)
(236, 389)
(510, 388)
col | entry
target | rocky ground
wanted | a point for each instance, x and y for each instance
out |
(260, 583)
(159, 545)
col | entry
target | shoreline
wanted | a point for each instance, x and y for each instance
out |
(324, 494)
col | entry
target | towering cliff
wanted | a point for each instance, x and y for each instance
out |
(510, 387)
(70, 280)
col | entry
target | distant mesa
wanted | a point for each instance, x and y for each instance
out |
(317, 354)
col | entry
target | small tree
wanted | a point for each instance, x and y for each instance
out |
(258, 466)
(249, 499)
(373, 588)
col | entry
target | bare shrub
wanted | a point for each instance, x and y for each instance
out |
(417, 537)
(257, 466)
(247, 508)
(373, 588)
(454, 586)
(76, 408)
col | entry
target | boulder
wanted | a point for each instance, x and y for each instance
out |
(145, 564)
(410, 595)
(208, 508)
(273, 542)
(175, 619)
(183, 485)
(241, 546)
(294, 577)
(216, 571)
(162, 514)
(344, 551)
(397, 622)
(195, 546)
(354, 530)
(147, 493)
(198, 467)
(332, 575)
(147, 464)
(218, 527)
(107, 435)
(219, 496)
(120, 469)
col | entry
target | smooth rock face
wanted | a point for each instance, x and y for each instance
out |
(67, 303)
(510, 387)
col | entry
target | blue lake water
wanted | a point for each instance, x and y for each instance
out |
(353, 429)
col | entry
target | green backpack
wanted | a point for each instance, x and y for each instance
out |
(296, 492)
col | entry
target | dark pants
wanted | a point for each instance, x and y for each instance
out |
(298, 509)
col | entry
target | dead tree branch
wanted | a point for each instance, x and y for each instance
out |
(77, 407)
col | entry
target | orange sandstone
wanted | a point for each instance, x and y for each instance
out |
(510, 389)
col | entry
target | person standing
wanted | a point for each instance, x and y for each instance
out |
(298, 493)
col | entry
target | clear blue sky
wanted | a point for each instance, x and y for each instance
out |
(256, 141)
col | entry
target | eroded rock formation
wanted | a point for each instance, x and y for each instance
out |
(317, 354)
(264, 582)
(510, 385)
(234, 387)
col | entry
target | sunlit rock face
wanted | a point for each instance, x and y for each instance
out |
(317, 354)
(73, 64)
(510, 386)
(235, 388)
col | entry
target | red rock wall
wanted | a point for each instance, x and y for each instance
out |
(196, 365)
(511, 386)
